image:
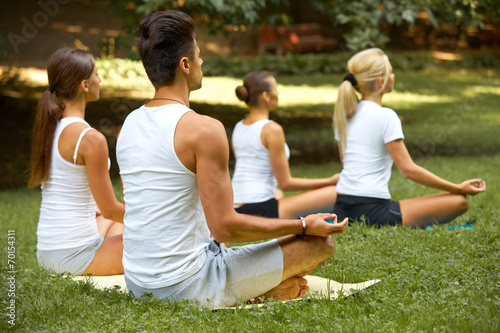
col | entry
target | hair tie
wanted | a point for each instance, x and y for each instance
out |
(349, 77)
(49, 88)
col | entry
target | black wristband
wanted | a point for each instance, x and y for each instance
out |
(303, 229)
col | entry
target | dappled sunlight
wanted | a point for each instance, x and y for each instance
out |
(138, 88)
(293, 95)
(396, 97)
(128, 79)
(217, 90)
(447, 113)
(29, 75)
(489, 118)
(473, 91)
(89, 30)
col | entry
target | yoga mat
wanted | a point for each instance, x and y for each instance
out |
(451, 227)
(321, 288)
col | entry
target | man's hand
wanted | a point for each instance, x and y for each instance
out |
(317, 226)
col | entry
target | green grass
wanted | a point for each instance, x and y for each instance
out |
(432, 280)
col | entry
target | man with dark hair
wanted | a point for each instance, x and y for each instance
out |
(177, 191)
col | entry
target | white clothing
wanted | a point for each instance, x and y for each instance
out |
(166, 233)
(68, 210)
(367, 163)
(253, 179)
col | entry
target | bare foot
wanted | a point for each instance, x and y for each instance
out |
(292, 288)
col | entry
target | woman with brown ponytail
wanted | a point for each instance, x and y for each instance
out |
(262, 160)
(370, 139)
(80, 227)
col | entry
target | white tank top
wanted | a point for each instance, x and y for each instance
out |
(67, 213)
(165, 228)
(253, 179)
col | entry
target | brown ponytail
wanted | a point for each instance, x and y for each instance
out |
(66, 69)
(47, 115)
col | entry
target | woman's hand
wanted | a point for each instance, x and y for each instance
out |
(472, 186)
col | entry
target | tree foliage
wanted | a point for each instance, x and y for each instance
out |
(216, 13)
(364, 19)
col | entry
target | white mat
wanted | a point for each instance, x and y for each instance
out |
(319, 287)
(104, 282)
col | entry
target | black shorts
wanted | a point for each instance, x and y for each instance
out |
(267, 208)
(372, 211)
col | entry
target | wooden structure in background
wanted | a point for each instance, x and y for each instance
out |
(295, 38)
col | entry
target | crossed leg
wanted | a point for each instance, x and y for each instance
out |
(441, 208)
(306, 203)
(108, 258)
(300, 257)
(108, 228)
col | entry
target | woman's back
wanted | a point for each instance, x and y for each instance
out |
(67, 213)
(370, 141)
(253, 179)
(366, 161)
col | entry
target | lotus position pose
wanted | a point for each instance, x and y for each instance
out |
(262, 160)
(177, 191)
(370, 139)
(70, 160)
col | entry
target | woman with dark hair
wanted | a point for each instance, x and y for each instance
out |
(370, 138)
(262, 160)
(81, 222)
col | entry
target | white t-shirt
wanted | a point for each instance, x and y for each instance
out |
(165, 228)
(67, 213)
(253, 179)
(367, 163)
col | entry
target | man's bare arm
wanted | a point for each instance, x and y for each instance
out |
(208, 140)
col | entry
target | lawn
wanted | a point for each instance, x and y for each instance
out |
(432, 280)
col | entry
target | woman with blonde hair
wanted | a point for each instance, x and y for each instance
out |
(262, 160)
(370, 139)
(70, 160)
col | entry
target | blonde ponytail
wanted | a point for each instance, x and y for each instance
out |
(366, 67)
(345, 108)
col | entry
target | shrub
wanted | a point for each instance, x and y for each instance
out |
(479, 60)
(298, 64)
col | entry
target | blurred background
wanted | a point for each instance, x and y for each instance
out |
(305, 43)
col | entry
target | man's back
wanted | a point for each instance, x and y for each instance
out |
(165, 227)
(164, 238)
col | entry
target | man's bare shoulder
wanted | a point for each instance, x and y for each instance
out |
(201, 126)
